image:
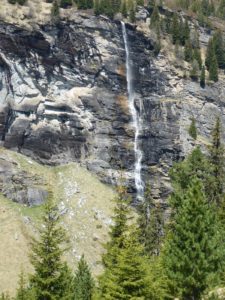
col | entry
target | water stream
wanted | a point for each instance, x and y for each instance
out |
(139, 185)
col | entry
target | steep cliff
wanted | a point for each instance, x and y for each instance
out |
(63, 98)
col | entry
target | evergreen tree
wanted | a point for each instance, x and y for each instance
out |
(22, 290)
(188, 53)
(120, 218)
(192, 129)
(197, 57)
(128, 279)
(155, 18)
(97, 9)
(46, 257)
(209, 53)
(124, 9)
(193, 253)
(202, 77)
(55, 11)
(132, 16)
(175, 29)
(4, 296)
(213, 69)
(216, 158)
(219, 48)
(83, 282)
(195, 165)
(150, 223)
(194, 74)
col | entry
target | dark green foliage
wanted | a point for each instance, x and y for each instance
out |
(216, 158)
(195, 165)
(213, 69)
(202, 78)
(4, 296)
(221, 9)
(219, 48)
(175, 29)
(132, 11)
(188, 52)
(125, 274)
(85, 4)
(20, 2)
(48, 282)
(210, 53)
(192, 129)
(128, 278)
(193, 252)
(124, 9)
(83, 282)
(194, 74)
(22, 293)
(197, 57)
(65, 3)
(55, 11)
(155, 17)
(150, 223)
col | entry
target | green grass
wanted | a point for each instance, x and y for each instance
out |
(87, 207)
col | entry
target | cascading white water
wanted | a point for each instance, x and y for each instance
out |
(135, 118)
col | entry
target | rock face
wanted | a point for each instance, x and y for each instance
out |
(63, 97)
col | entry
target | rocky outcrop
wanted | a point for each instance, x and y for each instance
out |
(63, 97)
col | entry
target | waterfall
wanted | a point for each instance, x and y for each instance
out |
(139, 185)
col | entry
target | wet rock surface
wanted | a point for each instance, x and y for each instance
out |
(63, 97)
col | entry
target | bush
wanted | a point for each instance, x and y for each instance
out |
(65, 3)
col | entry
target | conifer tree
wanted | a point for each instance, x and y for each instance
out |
(132, 16)
(150, 223)
(131, 272)
(188, 53)
(22, 289)
(192, 129)
(175, 29)
(124, 9)
(46, 257)
(219, 48)
(193, 253)
(210, 53)
(213, 69)
(197, 57)
(194, 73)
(155, 18)
(83, 282)
(202, 77)
(216, 158)
(4, 296)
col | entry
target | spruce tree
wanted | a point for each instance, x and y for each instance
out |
(216, 158)
(197, 57)
(188, 52)
(202, 78)
(150, 223)
(213, 69)
(219, 48)
(22, 293)
(194, 73)
(128, 278)
(192, 129)
(155, 17)
(175, 29)
(210, 53)
(46, 257)
(132, 15)
(193, 253)
(124, 9)
(83, 282)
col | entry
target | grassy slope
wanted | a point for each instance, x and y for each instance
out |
(86, 207)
